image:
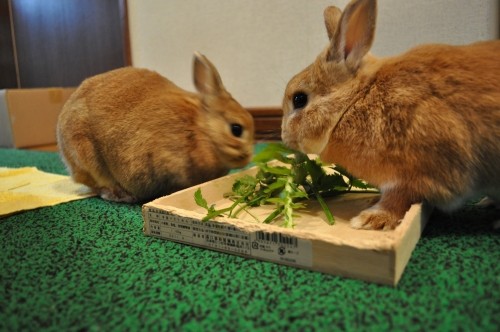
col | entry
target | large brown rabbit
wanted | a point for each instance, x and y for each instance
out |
(132, 135)
(424, 125)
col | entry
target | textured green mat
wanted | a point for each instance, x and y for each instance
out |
(86, 265)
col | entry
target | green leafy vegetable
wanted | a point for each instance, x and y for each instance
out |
(286, 186)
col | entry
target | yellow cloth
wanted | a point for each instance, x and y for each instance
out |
(28, 188)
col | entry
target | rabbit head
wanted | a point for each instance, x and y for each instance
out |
(223, 119)
(313, 104)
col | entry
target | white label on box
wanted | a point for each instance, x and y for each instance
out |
(281, 248)
(271, 246)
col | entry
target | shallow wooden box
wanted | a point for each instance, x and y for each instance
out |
(374, 256)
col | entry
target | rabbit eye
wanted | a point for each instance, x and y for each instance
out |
(299, 100)
(236, 129)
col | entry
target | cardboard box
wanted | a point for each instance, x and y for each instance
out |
(375, 256)
(28, 117)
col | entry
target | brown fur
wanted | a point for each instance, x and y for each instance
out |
(132, 135)
(424, 125)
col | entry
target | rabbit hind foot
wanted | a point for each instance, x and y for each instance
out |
(116, 195)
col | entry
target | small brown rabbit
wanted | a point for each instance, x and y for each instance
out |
(132, 135)
(422, 126)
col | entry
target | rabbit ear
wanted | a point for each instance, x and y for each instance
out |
(332, 16)
(206, 77)
(354, 33)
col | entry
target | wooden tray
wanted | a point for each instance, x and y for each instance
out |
(375, 256)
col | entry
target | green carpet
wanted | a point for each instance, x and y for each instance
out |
(86, 266)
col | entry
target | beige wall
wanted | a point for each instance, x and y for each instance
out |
(257, 45)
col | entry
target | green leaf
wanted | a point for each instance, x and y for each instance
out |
(360, 184)
(315, 171)
(279, 184)
(270, 152)
(275, 200)
(244, 185)
(298, 194)
(324, 206)
(277, 170)
(276, 213)
(331, 181)
(200, 201)
(300, 175)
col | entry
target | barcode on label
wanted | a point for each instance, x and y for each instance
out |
(277, 238)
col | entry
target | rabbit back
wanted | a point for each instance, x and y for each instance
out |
(429, 118)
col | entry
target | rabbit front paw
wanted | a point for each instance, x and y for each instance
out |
(375, 218)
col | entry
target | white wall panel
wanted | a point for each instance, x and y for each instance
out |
(258, 45)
